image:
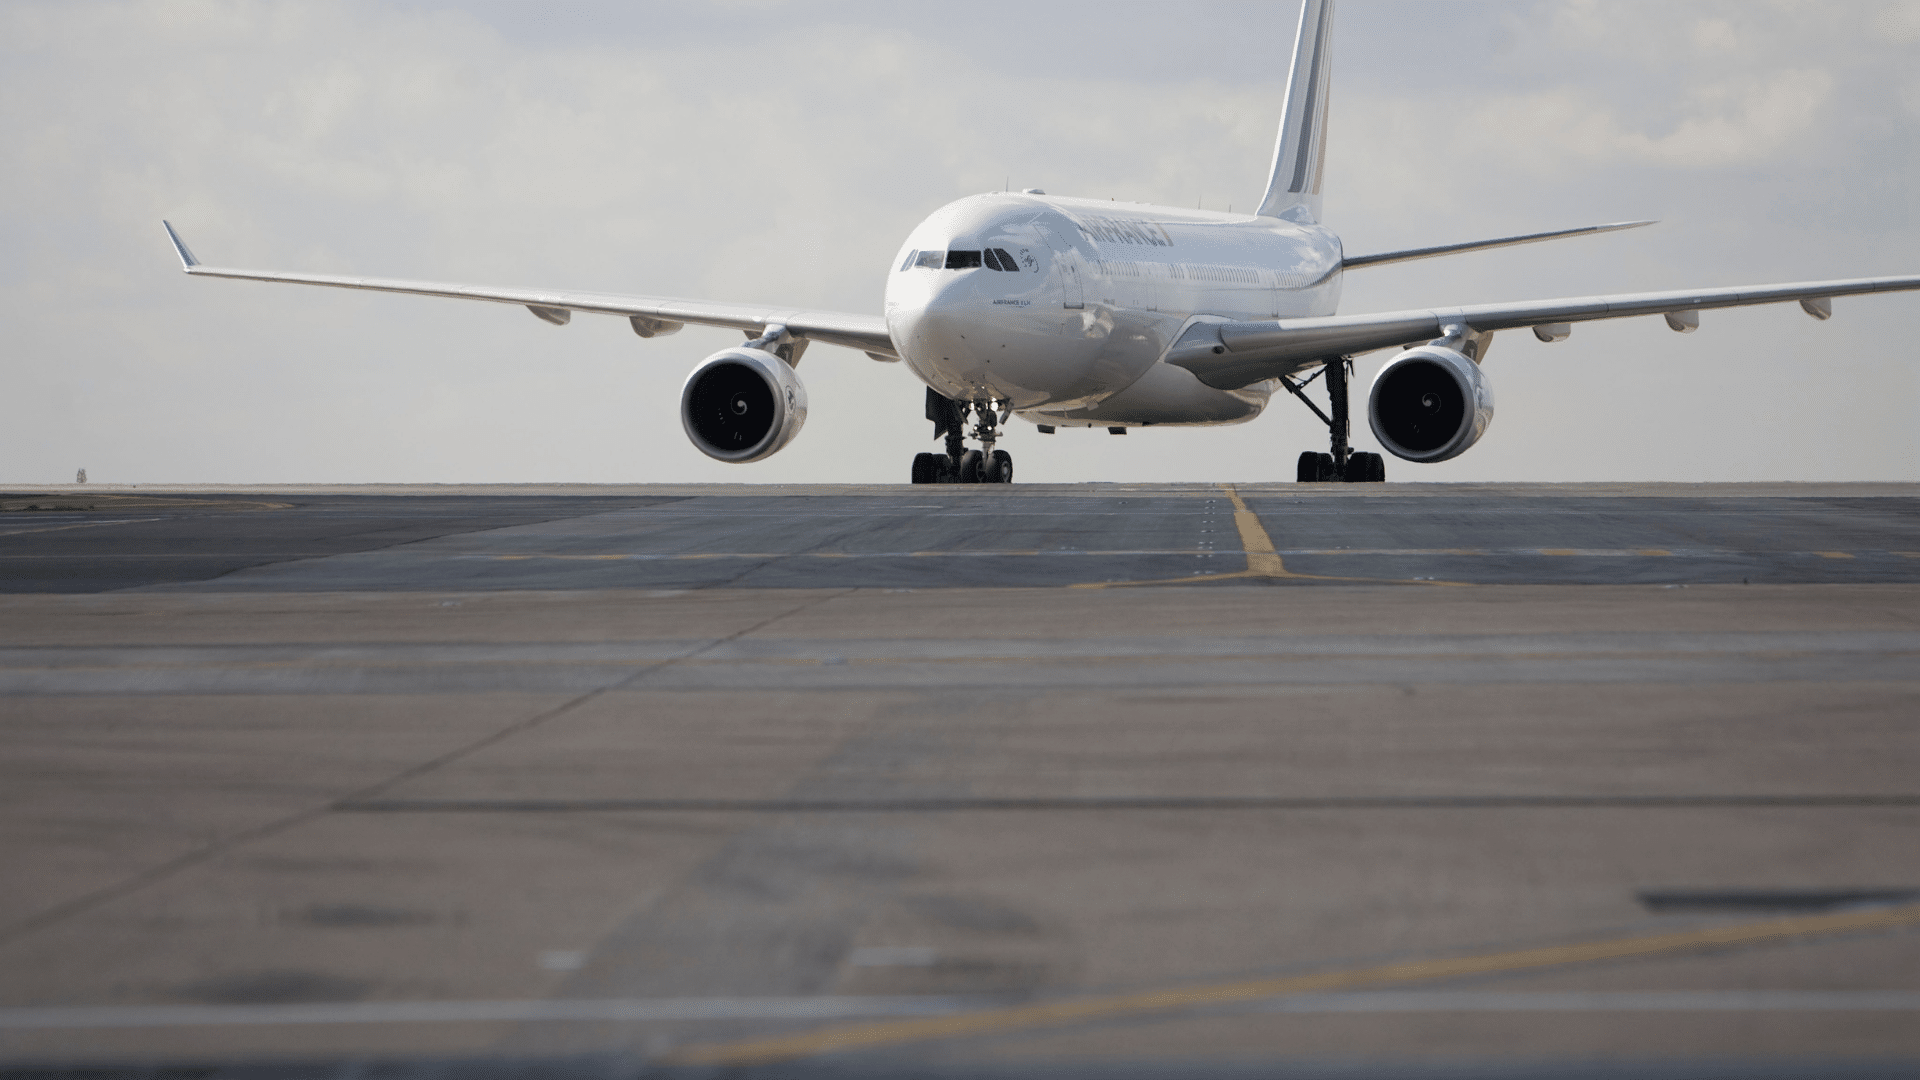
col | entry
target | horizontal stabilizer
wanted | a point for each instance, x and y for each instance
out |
(1480, 245)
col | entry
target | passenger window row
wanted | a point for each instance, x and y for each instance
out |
(992, 258)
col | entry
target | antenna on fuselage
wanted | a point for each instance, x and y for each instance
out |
(1293, 188)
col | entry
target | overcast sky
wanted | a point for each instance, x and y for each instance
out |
(779, 152)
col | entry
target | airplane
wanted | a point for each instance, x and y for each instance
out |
(1071, 312)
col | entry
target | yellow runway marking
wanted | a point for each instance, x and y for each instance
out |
(1263, 559)
(1019, 1017)
(1652, 551)
(1558, 551)
(1834, 554)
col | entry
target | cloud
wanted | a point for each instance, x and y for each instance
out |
(1721, 124)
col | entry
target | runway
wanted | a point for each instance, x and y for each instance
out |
(957, 537)
(1154, 780)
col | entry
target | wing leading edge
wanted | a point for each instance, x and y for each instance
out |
(650, 315)
(1230, 355)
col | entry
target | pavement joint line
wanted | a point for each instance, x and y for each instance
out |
(1591, 553)
(1045, 804)
(658, 1010)
(1663, 1001)
(45, 917)
(672, 556)
(1143, 1003)
(1094, 659)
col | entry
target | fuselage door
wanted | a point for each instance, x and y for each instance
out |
(1073, 292)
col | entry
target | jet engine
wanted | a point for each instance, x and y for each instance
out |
(742, 404)
(1429, 404)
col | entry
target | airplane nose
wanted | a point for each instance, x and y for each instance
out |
(928, 320)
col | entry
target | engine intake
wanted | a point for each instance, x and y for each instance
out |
(741, 405)
(1429, 404)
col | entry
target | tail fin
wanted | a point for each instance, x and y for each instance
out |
(1293, 191)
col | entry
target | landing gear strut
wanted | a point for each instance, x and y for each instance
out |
(1343, 462)
(960, 465)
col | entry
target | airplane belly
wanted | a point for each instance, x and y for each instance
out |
(1166, 395)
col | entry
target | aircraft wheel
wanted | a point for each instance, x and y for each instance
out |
(1376, 469)
(1000, 468)
(1364, 468)
(926, 469)
(1308, 470)
(1324, 468)
(969, 468)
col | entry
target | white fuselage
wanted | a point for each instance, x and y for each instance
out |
(1073, 333)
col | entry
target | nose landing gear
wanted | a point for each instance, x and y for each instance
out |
(1343, 462)
(960, 465)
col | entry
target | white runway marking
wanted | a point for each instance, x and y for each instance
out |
(77, 525)
(458, 1012)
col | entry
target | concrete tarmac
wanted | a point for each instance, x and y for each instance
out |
(1157, 780)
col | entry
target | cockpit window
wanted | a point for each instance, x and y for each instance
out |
(998, 259)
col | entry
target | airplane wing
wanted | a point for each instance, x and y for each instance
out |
(1352, 261)
(650, 315)
(1229, 355)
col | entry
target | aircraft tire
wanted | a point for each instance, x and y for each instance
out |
(1000, 468)
(926, 469)
(1323, 468)
(969, 468)
(1308, 470)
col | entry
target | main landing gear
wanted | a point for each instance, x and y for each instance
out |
(1344, 462)
(960, 465)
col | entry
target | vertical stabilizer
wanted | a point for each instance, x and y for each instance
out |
(1293, 191)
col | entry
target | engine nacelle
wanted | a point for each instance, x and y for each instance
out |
(742, 404)
(1429, 404)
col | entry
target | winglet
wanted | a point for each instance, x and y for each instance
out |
(187, 261)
